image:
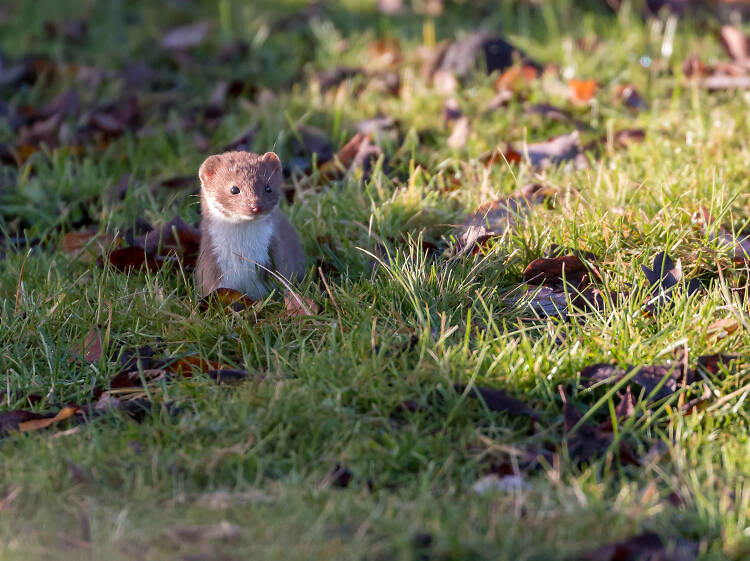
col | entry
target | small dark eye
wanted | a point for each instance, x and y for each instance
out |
(268, 187)
(235, 190)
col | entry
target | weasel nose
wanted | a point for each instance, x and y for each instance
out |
(255, 208)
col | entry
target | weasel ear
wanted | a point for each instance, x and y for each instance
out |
(272, 158)
(208, 168)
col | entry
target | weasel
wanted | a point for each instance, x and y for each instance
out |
(242, 226)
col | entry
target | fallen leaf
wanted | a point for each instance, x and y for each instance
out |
(135, 378)
(666, 274)
(298, 306)
(722, 328)
(497, 217)
(109, 401)
(714, 363)
(11, 420)
(736, 43)
(36, 424)
(460, 134)
(516, 78)
(338, 477)
(626, 137)
(632, 98)
(556, 151)
(134, 258)
(379, 128)
(645, 547)
(625, 407)
(553, 113)
(693, 67)
(659, 380)
(107, 123)
(543, 300)
(497, 400)
(228, 298)
(739, 244)
(451, 110)
(552, 271)
(65, 104)
(589, 441)
(463, 55)
(582, 91)
(186, 365)
(91, 348)
(719, 82)
(313, 142)
(186, 36)
(384, 53)
(86, 245)
(228, 375)
(357, 150)
(331, 78)
(141, 358)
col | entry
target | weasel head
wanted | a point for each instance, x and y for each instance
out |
(240, 186)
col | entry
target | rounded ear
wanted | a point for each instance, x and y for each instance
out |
(271, 157)
(208, 168)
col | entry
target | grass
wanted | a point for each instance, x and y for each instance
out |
(257, 456)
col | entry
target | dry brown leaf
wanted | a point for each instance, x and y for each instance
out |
(582, 91)
(228, 298)
(384, 53)
(36, 424)
(626, 137)
(187, 365)
(722, 328)
(517, 77)
(135, 378)
(495, 218)
(91, 348)
(551, 271)
(134, 258)
(555, 151)
(87, 245)
(736, 43)
(298, 306)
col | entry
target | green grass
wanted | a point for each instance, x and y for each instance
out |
(256, 455)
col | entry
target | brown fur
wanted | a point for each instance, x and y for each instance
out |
(250, 173)
(207, 272)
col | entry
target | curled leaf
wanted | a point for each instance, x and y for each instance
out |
(36, 424)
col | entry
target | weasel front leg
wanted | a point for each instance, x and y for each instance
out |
(286, 251)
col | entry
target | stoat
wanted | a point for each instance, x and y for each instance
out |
(242, 226)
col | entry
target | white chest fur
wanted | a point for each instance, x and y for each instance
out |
(238, 247)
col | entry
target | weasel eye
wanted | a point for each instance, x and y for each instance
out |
(268, 187)
(235, 190)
